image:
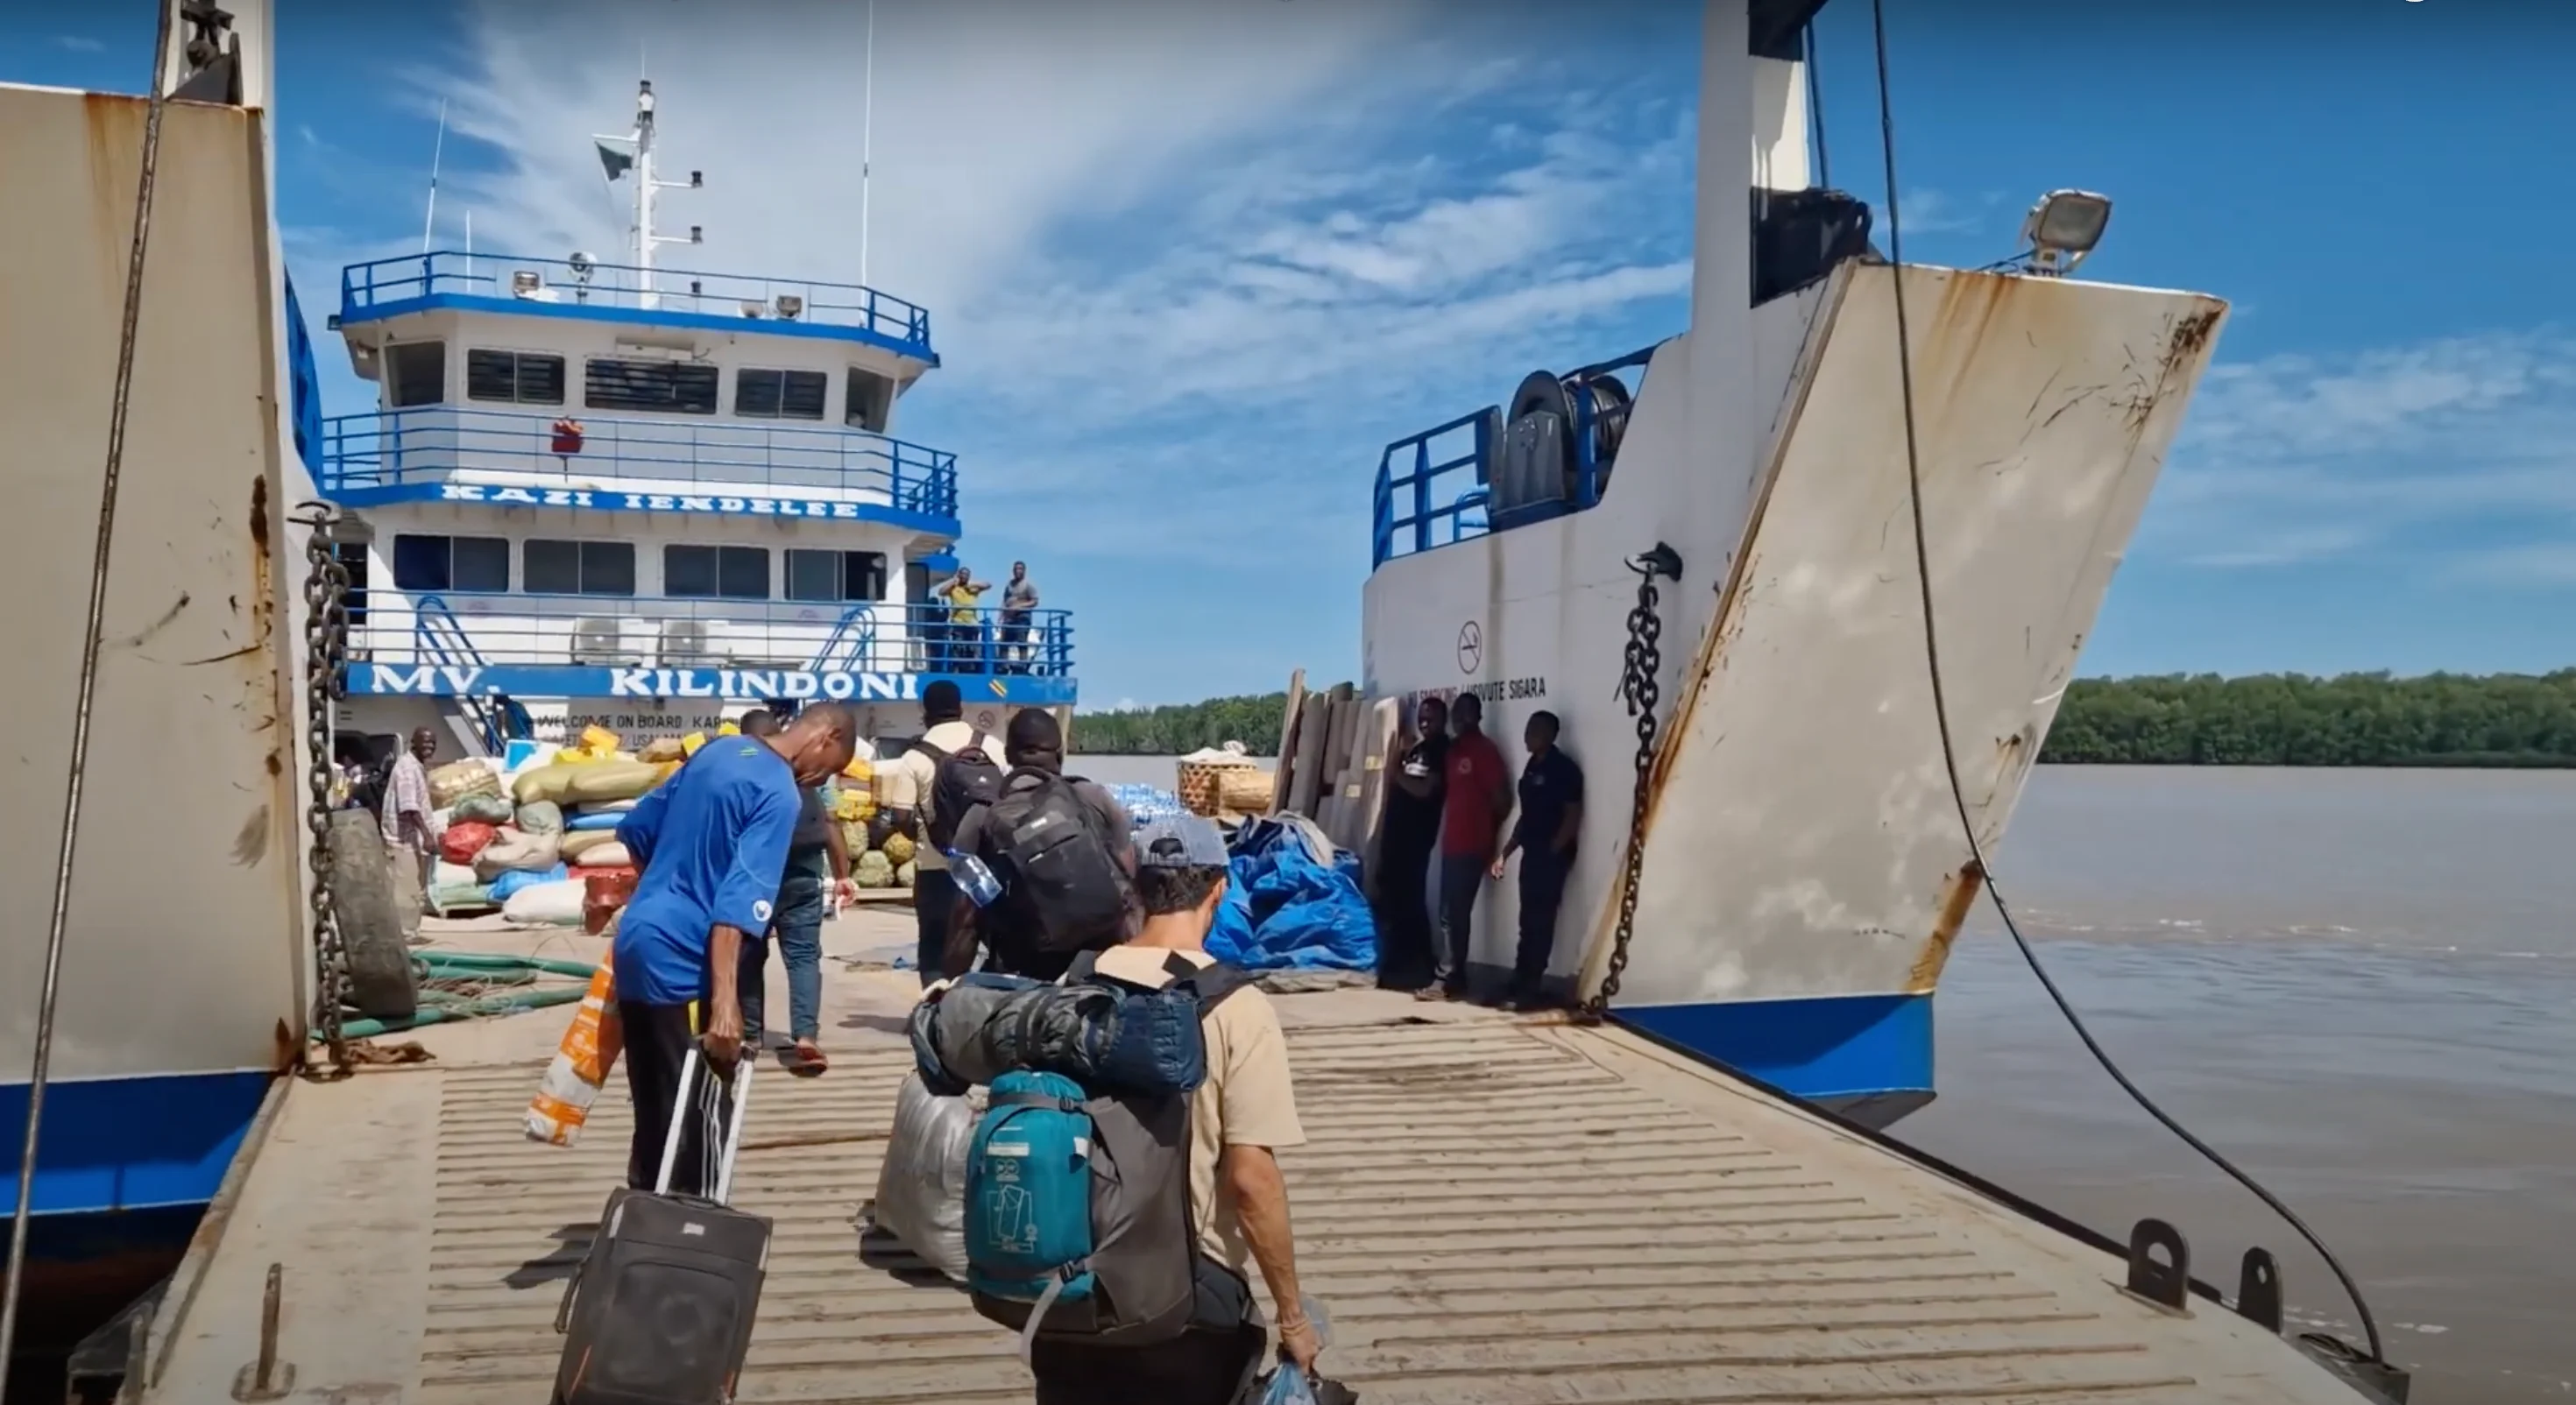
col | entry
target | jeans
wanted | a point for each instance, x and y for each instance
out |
(797, 928)
(1015, 647)
(933, 893)
(658, 1039)
(1405, 956)
(1462, 881)
(1543, 875)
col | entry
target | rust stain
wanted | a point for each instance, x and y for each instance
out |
(1957, 896)
(250, 844)
(284, 1050)
(259, 517)
(276, 767)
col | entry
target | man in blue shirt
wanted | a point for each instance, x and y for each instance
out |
(710, 844)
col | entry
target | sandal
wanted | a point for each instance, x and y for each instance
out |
(806, 1061)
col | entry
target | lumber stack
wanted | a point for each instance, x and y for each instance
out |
(1333, 748)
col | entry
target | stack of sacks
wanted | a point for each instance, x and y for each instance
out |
(531, 864)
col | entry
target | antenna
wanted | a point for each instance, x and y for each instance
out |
(867, 134)
(438, 148)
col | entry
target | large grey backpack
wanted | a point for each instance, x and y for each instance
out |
(1078, 1220)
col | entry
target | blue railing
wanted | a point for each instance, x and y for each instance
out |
(1416, 485)
(1412, 502)
(441, 639)
(491, 630)
(304, 388)
(389, 286)
(372, 453)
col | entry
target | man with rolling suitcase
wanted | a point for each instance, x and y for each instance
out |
(661, 1310)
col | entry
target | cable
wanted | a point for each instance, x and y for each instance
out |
(1949, 754)
(1816, 113)
(85, 696)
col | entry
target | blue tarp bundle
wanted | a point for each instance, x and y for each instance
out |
(1286, 912)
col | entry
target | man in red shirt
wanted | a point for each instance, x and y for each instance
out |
(1479, 799)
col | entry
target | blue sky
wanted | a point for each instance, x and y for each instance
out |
(1193, 262)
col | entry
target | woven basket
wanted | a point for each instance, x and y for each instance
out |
(1198, 786)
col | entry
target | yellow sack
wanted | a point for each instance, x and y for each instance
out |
(689, 744)
(581, 1064)
(860, 770)
(661, 750)
(603, 781)
(599, 741)
(551, 783)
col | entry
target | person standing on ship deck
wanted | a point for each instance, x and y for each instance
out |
(1019, 606)
(816, 855)
(1477, 800)
(409, 846)
(1406, 959)
(904, 787)
(711, 845)
(965, 624)
(1551, 815)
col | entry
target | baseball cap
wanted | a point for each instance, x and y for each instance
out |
(1180, 841)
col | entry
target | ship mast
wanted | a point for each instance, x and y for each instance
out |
(643, 140)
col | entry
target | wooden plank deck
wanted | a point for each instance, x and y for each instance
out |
(1493, 1212)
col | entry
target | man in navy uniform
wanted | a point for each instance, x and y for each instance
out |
(1551, 815)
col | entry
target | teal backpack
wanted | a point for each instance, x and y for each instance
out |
(1078, 1220)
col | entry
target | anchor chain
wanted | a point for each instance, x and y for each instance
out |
(1638, 685)
(326, 643)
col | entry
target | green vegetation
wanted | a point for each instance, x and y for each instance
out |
(2359, 719)
(1182, 728)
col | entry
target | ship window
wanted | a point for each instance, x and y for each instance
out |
(727, 572)
(415, 373)
(778, 395)
(868, 402)
(687, 387)
(836, 575)
(577, 568)
(424, 562)
(514, 377)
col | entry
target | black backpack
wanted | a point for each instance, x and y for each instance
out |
(1063, 888)
(958, 783)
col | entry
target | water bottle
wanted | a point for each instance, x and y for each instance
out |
(973, 879)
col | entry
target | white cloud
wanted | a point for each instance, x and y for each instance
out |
(80, 43)
(2432, 456)
(1190, 262)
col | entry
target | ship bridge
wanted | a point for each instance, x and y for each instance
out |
(649, 496)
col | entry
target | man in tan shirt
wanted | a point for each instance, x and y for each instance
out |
(903, 789)
(1239, 1118)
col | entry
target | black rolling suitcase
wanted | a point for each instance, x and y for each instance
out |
(660, 1311)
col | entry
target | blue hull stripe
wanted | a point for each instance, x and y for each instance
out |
(130, 1143)
(1839, 1046)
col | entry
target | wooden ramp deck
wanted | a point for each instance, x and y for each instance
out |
(1494, 1213)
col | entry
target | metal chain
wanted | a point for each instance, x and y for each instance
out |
(1639, 686)
(326, 642)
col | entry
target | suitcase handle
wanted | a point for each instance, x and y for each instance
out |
(691, 1065)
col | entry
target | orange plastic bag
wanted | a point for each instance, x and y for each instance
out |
(581, 1064)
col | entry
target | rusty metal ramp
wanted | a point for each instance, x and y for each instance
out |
(1493, 1212)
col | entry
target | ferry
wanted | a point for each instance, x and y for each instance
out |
(1496, 1210)
(1800, 868)
(649, 499)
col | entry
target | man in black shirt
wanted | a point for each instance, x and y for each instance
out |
(1412, 830)
(1551, 815)
(1032, 743)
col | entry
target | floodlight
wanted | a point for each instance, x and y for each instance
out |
(2063, 227)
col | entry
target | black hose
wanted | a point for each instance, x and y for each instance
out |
(1949, 754)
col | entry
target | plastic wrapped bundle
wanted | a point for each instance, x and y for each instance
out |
(1106, 1037)
(1145, 804)
(921, 1191)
